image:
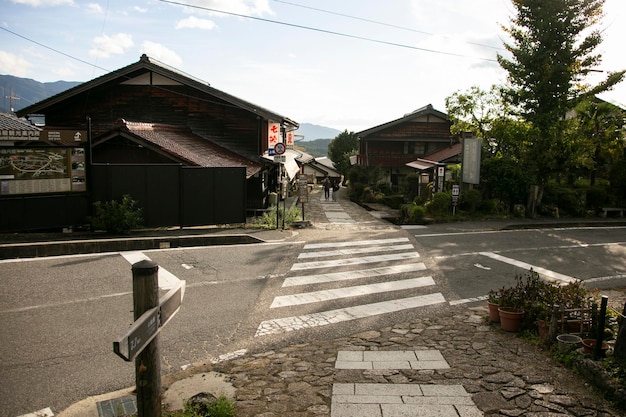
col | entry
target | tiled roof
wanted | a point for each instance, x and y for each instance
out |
(10, 122)
(444, 154)
(183, 144)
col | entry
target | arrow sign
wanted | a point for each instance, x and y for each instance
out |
(146, 327)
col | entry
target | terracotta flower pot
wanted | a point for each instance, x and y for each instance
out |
(589, 346)
(510, 321)
(494, 315)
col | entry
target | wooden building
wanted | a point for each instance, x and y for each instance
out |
(393, 145)
(150, 113)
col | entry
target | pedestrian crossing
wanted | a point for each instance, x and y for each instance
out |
(344, 275)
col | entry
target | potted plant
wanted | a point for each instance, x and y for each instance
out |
(511, 308)
(493, 303)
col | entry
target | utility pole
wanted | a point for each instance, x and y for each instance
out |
(11, 97)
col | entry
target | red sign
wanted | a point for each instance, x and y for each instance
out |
(273, 134)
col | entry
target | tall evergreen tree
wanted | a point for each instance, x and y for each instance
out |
(552, 51)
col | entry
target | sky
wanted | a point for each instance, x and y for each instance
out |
(349, 64)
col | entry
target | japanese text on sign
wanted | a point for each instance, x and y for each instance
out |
(273, 134)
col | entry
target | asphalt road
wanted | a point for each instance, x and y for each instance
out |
(59, 316)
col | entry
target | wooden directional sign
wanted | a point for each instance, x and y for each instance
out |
(143, 330)
(146, 327)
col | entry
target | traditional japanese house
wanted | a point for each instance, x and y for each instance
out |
(149, 114)
(393, 145)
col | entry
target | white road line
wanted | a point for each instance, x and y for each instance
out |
(289, 324)
(350, 275)
(357, 243)
(553, 276)
(355, 291)
(354, 251)
(468, 300)
(354, 261)
(167, 280)
(46, 412)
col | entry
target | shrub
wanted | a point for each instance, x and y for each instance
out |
(268, 220)
(440, 204)
(411, 213)
(471, 199)
(118, 217)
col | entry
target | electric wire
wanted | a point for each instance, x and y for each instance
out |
(330, 32)
(377, 22)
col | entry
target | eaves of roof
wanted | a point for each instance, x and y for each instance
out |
(10, 122)
(407, 117)
(444, 154)
(182, 144)
(150, 64)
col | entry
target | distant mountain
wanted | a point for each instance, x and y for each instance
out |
(316, 148)
(312, 132)
(26, 91)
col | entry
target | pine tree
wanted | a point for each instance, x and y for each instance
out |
(552, 51)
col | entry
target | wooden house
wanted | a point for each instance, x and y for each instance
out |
(393, 145)
(151, 114)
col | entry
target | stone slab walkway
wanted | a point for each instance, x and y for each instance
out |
(398, 399)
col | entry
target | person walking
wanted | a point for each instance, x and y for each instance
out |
(326, 185)
(335, 189)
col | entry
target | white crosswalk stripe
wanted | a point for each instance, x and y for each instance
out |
(355, 261)
(397, 257)
(354, 251)
(350, 275)
(325, 295)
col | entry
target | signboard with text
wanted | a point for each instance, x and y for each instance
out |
(273, 134)
(42, 170)
(471, 160)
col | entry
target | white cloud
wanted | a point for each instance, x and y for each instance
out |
(37, 3)
(14, 65)
(140, 9)
(94, 8)
(161, 53)
(193, 22)
(111, 45)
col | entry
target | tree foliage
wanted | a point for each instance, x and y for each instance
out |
(341, 148)
(552, 51)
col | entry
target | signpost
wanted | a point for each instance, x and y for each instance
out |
(140, 343)
(456, 190)
(149, 324)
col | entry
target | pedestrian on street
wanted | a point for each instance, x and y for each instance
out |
(335, 189)
(326, 186)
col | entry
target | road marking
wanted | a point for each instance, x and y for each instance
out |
(355, 291)
(468, 300)
(63, 303)
(480, 266)
(357, 243)
(229, 356)
(350, 275)
(167, 280)
(289, 324)
(354, 251)
(46, 412)
(355, 261)
(554, 276)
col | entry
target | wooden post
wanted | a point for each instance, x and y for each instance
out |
(600, 335)
(147, 364)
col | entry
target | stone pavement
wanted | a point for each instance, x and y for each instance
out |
(454, 364)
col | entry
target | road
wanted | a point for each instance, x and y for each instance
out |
(59, 316)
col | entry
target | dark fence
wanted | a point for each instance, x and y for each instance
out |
(170, 195)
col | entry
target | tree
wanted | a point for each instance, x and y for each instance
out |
(341, 148)
(600, 128)
(552, 51)
(487, 116)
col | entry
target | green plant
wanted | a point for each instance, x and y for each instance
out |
(118, 217)
(220, 407)
(268, 220)
(440, 204)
